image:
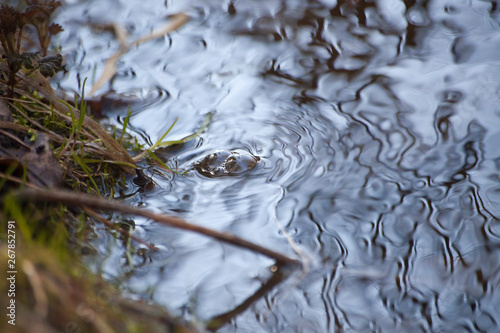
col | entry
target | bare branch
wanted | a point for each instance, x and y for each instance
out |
(82, 200)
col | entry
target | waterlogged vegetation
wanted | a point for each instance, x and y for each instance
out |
(58, 168)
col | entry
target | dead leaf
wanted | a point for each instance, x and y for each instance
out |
(42, 168)
(5, 114)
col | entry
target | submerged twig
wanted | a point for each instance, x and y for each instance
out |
(110, 67)
(82, 200)
(222, 319)
(176, 22)
(107, 223)
(109, 70)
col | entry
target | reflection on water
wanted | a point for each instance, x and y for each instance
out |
(378, 123)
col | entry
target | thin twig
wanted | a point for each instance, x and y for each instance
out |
(17, 180)
(24, 129)
(104, 221)
(34, 122)
(110, 66)
(177, 21)
(76, 199)
(222, 319)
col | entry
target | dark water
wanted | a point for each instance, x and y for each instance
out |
(377, 125)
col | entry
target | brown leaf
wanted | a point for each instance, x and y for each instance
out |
(42, 168)
(5, 114)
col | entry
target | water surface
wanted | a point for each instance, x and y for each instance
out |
(377, 126)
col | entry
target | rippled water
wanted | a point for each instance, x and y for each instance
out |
(377, 124)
